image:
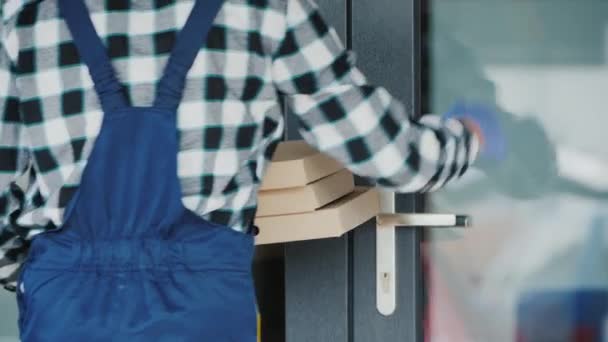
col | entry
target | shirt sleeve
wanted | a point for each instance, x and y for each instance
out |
(360, 124)
(14, 166)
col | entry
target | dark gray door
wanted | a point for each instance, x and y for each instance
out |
(330, 285)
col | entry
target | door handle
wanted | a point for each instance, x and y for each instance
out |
(386, 254)
(424, 220)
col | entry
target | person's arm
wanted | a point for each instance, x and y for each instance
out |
(359, 124)
(14, 163)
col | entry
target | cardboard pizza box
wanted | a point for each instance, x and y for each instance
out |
(305, 198)
(332, 220)
(295, 163)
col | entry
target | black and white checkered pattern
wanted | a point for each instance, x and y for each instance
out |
(230, 118)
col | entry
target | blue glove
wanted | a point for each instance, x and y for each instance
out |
(494, 147)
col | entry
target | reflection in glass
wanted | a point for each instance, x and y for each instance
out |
(535, 265)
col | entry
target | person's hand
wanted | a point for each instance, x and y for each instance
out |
(516, 152)
(482, 121)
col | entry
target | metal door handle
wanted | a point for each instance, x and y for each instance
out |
(386, 263)
(423, 220)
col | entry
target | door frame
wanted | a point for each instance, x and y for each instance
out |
(330, 285)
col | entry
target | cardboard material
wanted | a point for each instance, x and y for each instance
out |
(333, 220)
(295, 163)
(305, 198)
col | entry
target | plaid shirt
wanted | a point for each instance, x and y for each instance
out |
(230, 118)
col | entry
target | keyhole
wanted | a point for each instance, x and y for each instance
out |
(386, 282)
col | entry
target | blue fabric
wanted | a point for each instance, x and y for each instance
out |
(93, 54)
(171, 85)
(131, 263)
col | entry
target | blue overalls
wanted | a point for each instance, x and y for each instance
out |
(131, 263)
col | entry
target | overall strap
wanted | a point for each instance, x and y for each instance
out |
(187, 45)
(93, 53)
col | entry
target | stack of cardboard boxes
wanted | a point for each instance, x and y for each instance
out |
(308, 195)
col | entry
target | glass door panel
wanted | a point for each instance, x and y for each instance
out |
(534, 266)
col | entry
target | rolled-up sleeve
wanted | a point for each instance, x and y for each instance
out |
(359, 124)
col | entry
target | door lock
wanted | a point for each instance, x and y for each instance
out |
(386, 264)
